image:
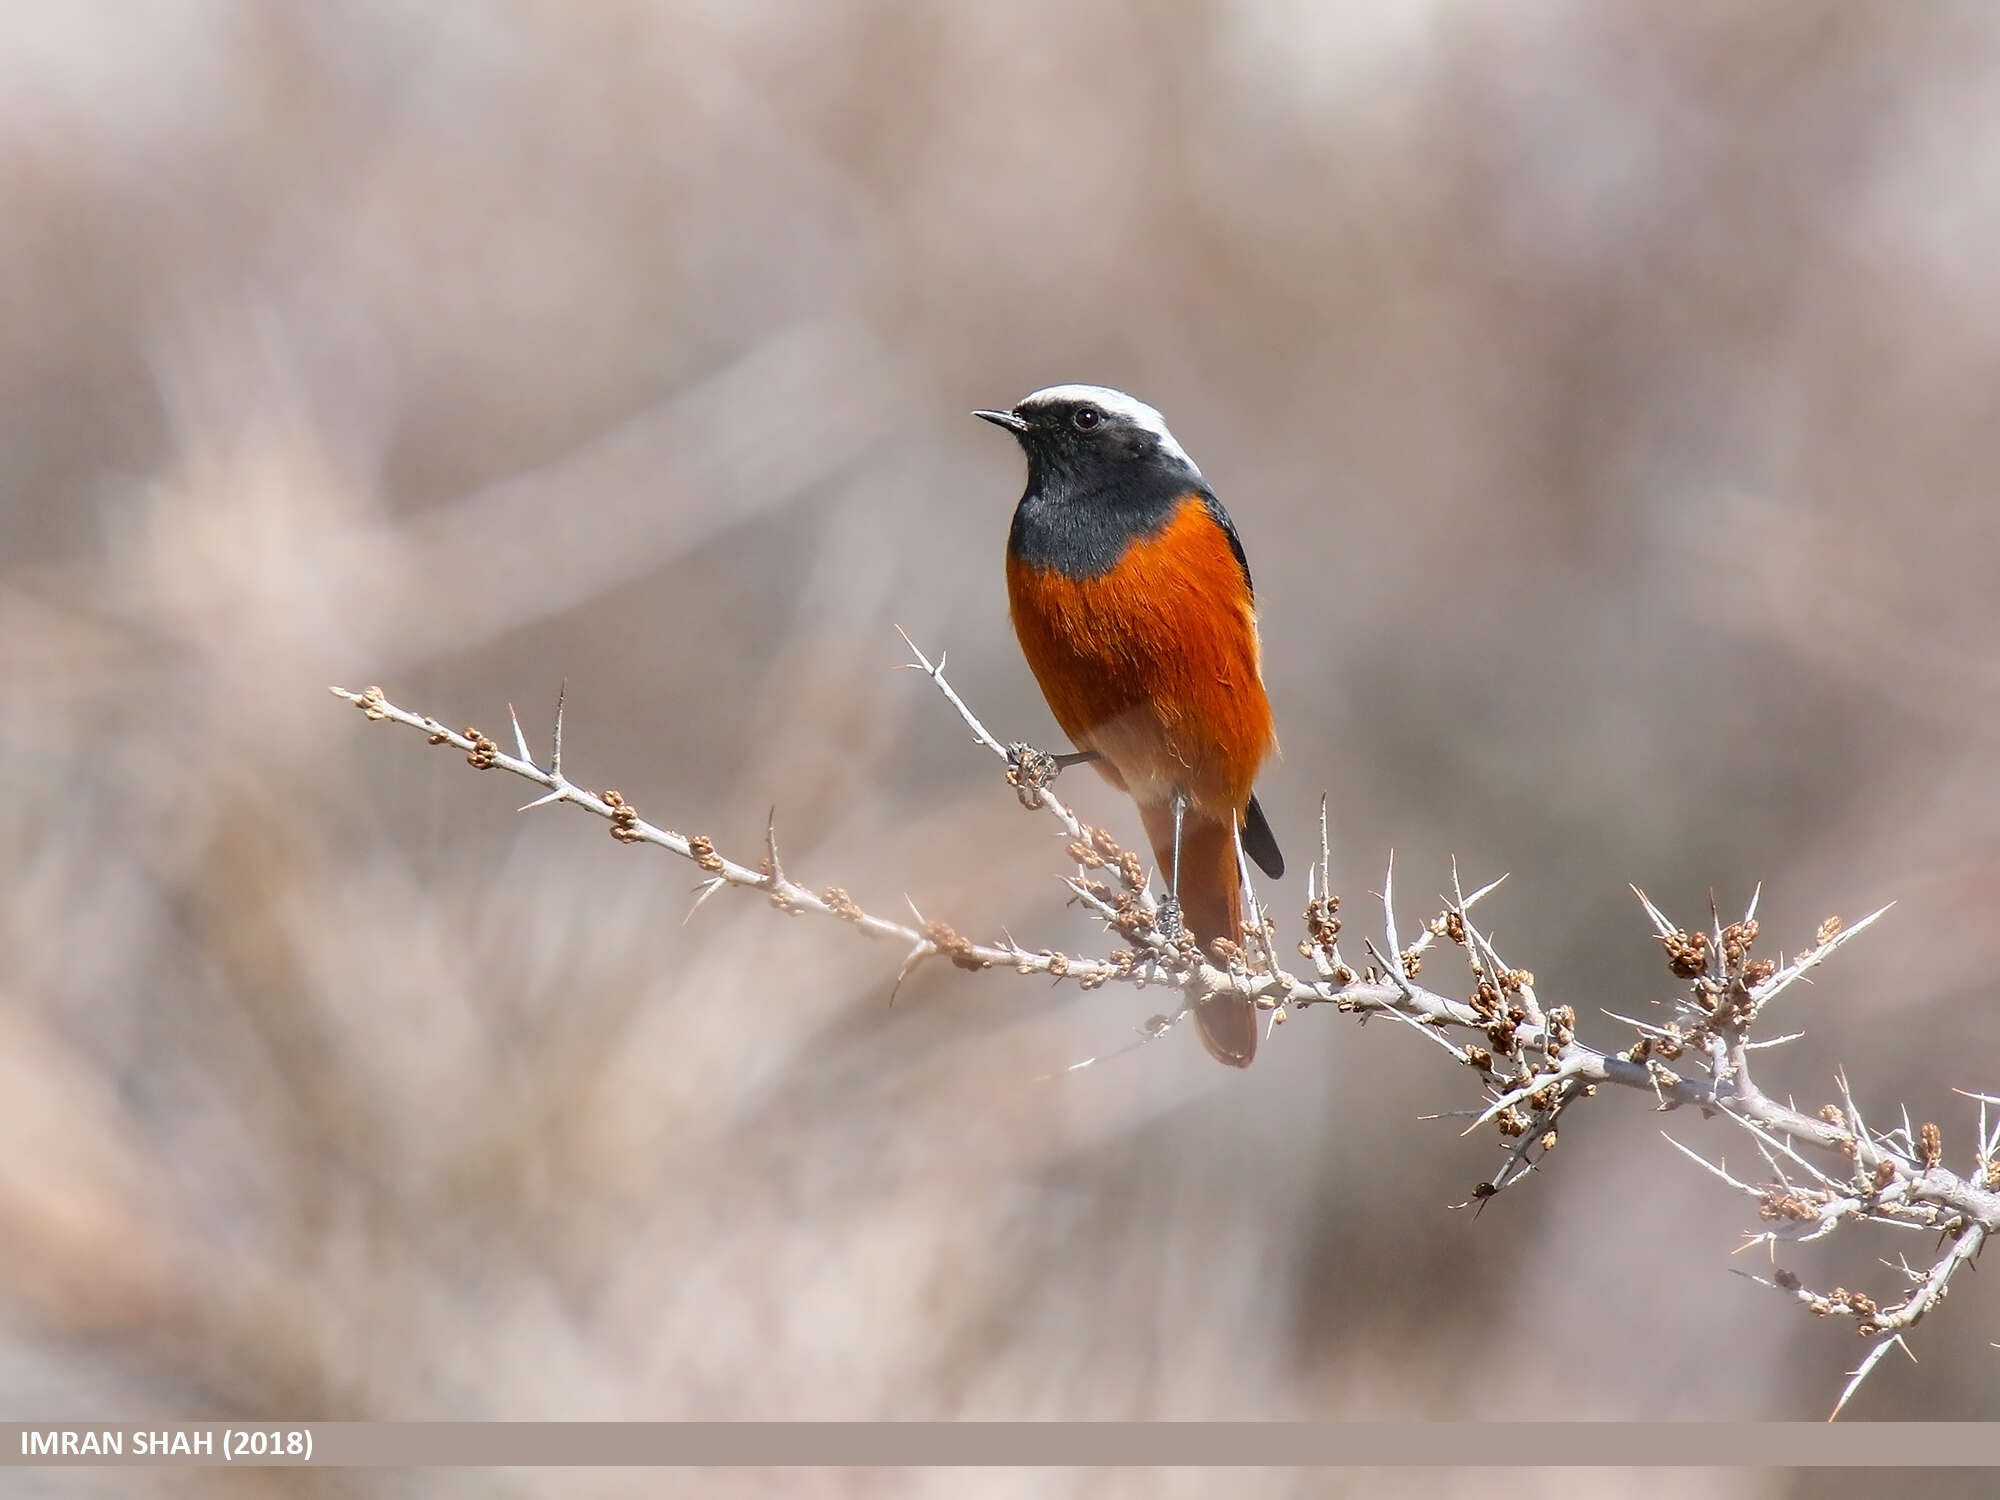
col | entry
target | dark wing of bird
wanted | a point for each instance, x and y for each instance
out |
(1258, 840)
(1260, 843)
(1235, 542)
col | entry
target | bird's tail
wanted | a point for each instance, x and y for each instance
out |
(1211, 905)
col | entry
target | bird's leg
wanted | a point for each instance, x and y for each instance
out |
(1169, 919)
(1029, 769)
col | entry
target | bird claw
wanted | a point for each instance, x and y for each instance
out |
(1167, 920)
(1029, 770)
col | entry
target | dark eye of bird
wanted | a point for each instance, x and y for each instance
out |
(1086, 417)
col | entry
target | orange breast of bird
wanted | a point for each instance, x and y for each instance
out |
(1154, 664)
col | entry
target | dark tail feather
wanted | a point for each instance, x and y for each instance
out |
(1260, 843)
(1211, 905)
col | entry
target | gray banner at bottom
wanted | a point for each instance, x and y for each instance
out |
(897, 1444)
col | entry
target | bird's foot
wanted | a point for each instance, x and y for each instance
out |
(1029, 769)
(1167, 920)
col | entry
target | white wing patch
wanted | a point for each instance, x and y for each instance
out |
(1117, 404)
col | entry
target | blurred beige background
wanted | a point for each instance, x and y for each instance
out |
(1609, 398)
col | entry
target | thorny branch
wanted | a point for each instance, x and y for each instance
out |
(1825, 1169)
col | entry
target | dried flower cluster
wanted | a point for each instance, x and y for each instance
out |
(1824, 1170)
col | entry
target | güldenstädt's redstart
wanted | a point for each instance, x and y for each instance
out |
(1131, 598)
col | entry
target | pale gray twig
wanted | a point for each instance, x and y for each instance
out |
(1532, 1065)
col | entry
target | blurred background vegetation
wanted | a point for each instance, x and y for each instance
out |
(1609, 398)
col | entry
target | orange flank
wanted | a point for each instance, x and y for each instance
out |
(1154, 664)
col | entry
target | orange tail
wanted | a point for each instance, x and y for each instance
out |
(1211, 905)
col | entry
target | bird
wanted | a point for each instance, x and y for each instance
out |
(1131, 598)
